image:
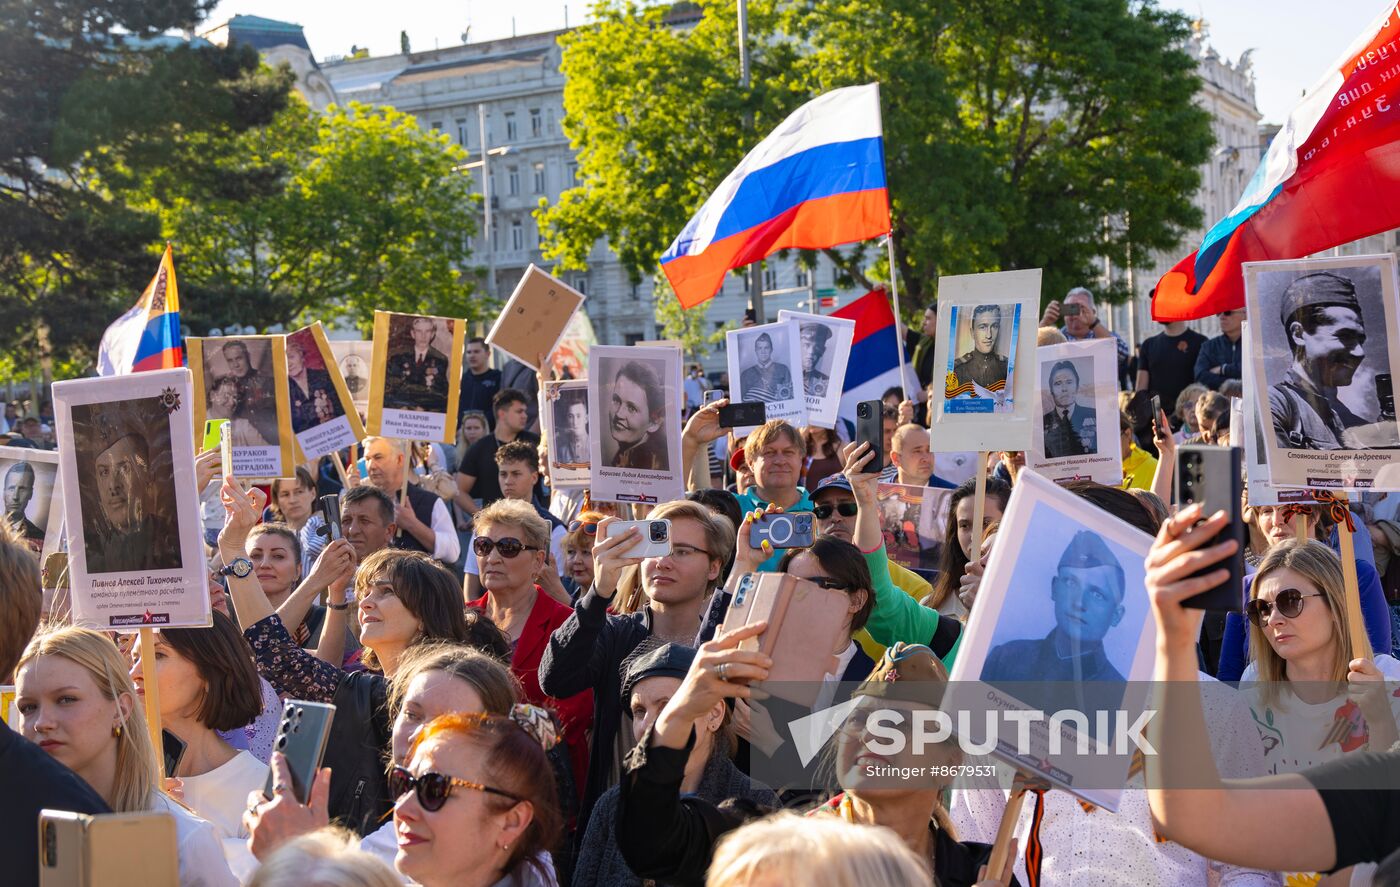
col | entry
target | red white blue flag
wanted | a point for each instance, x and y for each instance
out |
(874, 366)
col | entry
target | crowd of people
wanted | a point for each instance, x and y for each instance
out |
(518, 701)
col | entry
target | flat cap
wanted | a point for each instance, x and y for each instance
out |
(1318, 289)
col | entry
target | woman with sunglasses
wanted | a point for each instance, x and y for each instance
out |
(587, 652)
(403, 599)
(957, 542)
(511, 545)
(476, 805)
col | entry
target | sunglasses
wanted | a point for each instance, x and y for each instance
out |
(829, 584)
(508, 547)
(845, 509)
(590, 528)
(1230, 313)
(1289, 603)
(434, 789)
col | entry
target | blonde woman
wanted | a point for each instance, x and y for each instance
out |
(813, 851)
(325, 858)
(1312, 701)
(77, 703)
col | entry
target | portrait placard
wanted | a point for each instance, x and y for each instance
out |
(1077, 397)
(565, 417)
(1326, 339)
(635, 393)
(1062, 626)
(1247, 430)
(913, 521)
(323, 415)
(244, 379)
(825, 347)
(32, 495)
(126, 464)
(765, 366)
(985, 346)
(355, 359)
(535, 317)
(416, 379)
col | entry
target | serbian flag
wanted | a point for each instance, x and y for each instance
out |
(817, 181)
(146, 337)
(874, 366)
(1331, 175)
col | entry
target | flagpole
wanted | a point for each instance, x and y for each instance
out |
(898, 315)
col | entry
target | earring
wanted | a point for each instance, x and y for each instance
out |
(116, 731)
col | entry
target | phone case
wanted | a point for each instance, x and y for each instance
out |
(1211, 475)
(330, 507)
(301, 737)
(805, 622)
(646, 547)
(173, 749)
(871, 429)
(111, 850)
(787, 530)
(742, 414)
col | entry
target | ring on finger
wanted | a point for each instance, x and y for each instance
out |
(723, 671)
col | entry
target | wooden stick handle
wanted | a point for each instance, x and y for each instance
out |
(1001, 848)
(1302, 528)
(979, 511)
(340, 470)
(151, 689)
(1360, 643)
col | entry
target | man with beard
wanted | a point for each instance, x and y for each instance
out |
(127, 536)
(19, 490)
(1323, 323)
(814, 338)
(1070, 429)
(982, 366)
(767, 381)
(636, 418)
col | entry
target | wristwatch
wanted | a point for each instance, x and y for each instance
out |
(241, 567)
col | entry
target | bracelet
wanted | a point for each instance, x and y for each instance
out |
(338, 607)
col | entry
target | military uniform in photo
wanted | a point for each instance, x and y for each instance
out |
(985, 370)
(649, 454)
(314, 405)
(416, 380)
(126, 534)
(1071, 432)
(769, 384)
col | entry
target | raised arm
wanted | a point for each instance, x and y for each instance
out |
(701, 430)
(336, 561)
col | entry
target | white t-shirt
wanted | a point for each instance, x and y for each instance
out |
(220, 796)
(201, 858)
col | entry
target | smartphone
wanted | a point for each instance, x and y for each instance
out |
(715, 394)
(111, 850)
(1071, 310)
(742, 415)
(1157, 413)
(1211, 476)
(1385, 393)
(212, 434)
(172, 749)
(870, 428)
(330, 507)
(301, 737)
(226, 448)
(783, 530)
(655, 541)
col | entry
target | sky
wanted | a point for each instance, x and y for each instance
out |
(1294, 41)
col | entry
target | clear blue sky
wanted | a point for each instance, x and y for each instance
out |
(1294, 41)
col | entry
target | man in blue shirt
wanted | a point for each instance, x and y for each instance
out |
(1220, 357)
(911, 460)
(1082, 323)
(775, 453)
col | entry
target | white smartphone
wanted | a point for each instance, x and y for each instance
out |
(655, 541)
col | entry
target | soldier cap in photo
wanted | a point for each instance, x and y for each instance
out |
(114, 425)
(1317, 290)
(1087, 550)
(907, 672)
(820, 332)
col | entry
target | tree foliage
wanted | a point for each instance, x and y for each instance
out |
(1018, 135)
(319, 216)
(689, 327)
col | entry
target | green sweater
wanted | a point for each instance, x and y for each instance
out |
(896, 616)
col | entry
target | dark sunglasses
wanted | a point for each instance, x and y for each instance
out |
(828, 583)
(590, 528)
(1231, 313)
(845, 509)
(508, 547)
(434, 789)
(1289, 603)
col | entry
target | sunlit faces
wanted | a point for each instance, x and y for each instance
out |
(686, 573)
(649, 697)
(274, 562)
(1230, 321)
(384, 621)
(517, 479)
(865, 747)
(836, 525)
(63, 712)
(504, 574)
(628, 416)
(477, 356)
(1078, 325)
(914, 458)
(778, 464)
(294, 501)
(991, 511)
(473, 429)
(807, 566)
(1277, 522)
(512, 418)
(430, 694)
(178, 680)
(121, 475)
(363, 525)
(578, 560)
(384, 464)
(1311, 632)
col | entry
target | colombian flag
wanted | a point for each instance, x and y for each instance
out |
(1331, 175)
(147, 337)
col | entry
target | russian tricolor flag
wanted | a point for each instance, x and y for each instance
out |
(817, 181)
(874, 366)
(147, 336)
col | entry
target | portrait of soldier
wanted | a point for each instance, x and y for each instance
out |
(19, 491)
(571, 429)
(311, 394)
(416, 375)
(1322, 323)
(814, 337)
(983, 366)
(125, 502)
(767, 380)
(1070, 428)
(636, 418)
(255, 388)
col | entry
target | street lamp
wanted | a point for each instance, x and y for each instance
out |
(485, 163)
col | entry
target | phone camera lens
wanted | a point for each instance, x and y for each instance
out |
(864, 410)
(281, 742)
(658, 531)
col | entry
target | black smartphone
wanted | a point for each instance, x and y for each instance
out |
(870, 428)
(1211, 476)
(783, 530)
(1071, 310)
(1157, 413)
(172, 749)
(330, 507)
(301, 738)
(742, 415)
(1385, 393)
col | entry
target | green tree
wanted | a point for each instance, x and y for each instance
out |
(1013, 132)
(318, 216)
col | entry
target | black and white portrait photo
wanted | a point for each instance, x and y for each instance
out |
(27, 481)
(634, 423)
(127, 485)
(570, 440)
(355, 357)
(634, 410)
(417, 372)
(765, 366)
(313, 398)
(1070, 420)
(240, 386)
(824, 346)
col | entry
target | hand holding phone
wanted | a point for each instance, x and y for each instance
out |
(655, 537)
(1211, 476)
(870, 428)
(226, 448)
(212, 434)
(782, 530)
(301, 738)
(330, 507)
(742, 415)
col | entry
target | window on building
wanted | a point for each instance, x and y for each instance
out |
(436, 125)
(495, 238)
(513, 180)
(636, 292)
(580, 283)
(511, 133)
(572, 169)
(632, 338)
(803, 277)
(770, 279)
(539, 178)
(517, 235)
(536, 123)
(463, 132)
(549, 117)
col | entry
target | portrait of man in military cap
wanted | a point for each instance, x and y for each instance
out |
(1329, 397)
(765, 377)
(816, 363)
(127, 483)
